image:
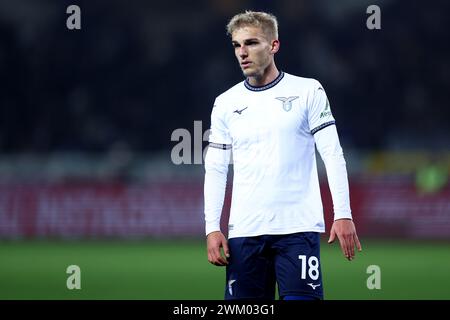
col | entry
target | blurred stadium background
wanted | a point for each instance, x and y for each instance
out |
(86, 123)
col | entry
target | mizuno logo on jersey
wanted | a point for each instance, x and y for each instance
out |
(239, 111)
(287, 102)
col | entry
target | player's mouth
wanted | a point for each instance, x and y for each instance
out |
(245, 64)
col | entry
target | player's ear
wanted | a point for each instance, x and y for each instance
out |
(275, 46)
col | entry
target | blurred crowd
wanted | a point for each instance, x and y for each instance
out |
(137, 70)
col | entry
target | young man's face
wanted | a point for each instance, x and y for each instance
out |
(253, 50)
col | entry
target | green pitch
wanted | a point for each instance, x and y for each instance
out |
(180, 270)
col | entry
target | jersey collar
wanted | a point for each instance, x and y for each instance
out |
(271, 84)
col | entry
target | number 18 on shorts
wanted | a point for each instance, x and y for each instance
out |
(257, 264)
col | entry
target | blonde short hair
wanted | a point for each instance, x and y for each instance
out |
(266, 21)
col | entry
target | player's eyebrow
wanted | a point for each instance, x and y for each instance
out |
(246, 41)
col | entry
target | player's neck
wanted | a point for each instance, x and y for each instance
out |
(270, 74)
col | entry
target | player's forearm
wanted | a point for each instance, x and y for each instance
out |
(330, 150)
(216, 170)
(338, 182)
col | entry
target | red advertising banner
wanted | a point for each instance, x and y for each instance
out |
(381, 207)
(101, 210)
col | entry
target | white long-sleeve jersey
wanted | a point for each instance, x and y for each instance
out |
(272, 132)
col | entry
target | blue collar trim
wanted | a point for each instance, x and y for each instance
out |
(265, 87)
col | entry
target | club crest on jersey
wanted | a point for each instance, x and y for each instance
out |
(287, 102)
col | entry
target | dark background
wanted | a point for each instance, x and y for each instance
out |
(137, 70)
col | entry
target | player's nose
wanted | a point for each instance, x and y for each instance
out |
(242, 52)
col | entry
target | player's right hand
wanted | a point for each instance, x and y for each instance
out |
(215, 241)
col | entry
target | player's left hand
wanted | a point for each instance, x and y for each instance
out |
(345, 230)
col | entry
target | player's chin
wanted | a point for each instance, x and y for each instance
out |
(249, 72)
